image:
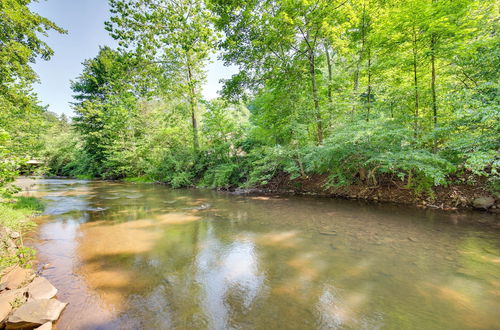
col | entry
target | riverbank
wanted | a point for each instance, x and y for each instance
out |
(26, 299)
(451, 197)
(16, 219)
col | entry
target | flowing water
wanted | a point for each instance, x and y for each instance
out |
(145, 256)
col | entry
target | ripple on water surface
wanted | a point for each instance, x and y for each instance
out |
(145, 256)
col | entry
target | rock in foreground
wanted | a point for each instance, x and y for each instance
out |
(36, 312)
(41, 288)
(15, 277)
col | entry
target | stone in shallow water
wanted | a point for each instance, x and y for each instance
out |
(47, 266)
(41, 288)
(36, 312)
(15, 277)
(484, 202)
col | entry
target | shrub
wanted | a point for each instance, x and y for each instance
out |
(223, 175)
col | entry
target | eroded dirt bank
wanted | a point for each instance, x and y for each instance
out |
(452, 197)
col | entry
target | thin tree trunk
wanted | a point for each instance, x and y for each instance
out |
(360, 58)
(312, 71)
(193, 105)
(329, 65)
(369, 83)
(415, 81)
(433, 80)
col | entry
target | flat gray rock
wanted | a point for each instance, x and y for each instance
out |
(15, 277)
(41, 288)
(36, 312)
(9, 298)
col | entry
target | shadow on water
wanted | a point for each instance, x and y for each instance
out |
(145, 256)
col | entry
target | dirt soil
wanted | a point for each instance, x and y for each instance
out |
(451, 197)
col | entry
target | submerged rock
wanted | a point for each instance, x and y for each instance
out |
(36, 312)
(47, 266)
(484, 202)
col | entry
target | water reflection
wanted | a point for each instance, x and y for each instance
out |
(229, 278)
(144, 256)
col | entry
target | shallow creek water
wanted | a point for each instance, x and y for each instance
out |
(145, 256)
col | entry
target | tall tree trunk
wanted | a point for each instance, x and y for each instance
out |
(433, 80)
(360, 58)
(312, 71)
(329, 65)
(369, 83)
(415, 81)
(193, 104)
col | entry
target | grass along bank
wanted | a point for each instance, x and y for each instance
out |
(16, 219)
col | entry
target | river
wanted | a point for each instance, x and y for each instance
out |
(146, 256)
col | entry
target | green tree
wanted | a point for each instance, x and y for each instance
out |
(21, 119)
(175, 33)
(262, 36)
(106, 102)
(20, 45)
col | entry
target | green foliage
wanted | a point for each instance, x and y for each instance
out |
(369, 92)
(106, 108)
(421, 169)
(483, 163)
(22, 120)
(223, 176)
(376, 148)
(21, 44)
(140, 179)
(14, 219)
(61, 153)
(267, 162)
(15, 213)
(28, 204)
(176, 33)
(8, 164)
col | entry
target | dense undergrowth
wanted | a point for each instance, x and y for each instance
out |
(356, 152)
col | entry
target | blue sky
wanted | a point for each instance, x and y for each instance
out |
(84, 21)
